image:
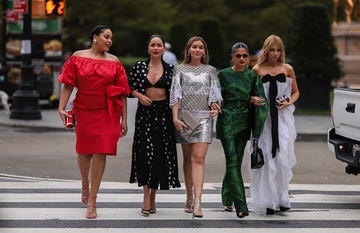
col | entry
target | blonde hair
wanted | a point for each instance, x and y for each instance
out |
(271, 41)
(187, 56)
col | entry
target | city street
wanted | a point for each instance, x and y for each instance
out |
(40, 192)
(52, 155)
(40, 187)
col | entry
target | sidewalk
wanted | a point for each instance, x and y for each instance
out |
(309, 128)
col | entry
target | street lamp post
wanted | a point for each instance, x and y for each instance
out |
(4, 22)
(26, 98)
(3, 45)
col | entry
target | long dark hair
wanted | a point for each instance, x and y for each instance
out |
(162, 40)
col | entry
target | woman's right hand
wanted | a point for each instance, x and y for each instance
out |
(144, 100)
(179, 125)
(63, 115)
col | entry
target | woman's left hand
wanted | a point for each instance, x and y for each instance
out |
(124, 128)
(213, 113)
(282, 106)
(215, 106)
(257, 100)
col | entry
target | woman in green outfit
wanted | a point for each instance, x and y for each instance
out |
(242, 90)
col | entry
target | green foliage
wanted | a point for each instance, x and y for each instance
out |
(310, 45)
(130, 21)
(312, 52)
(128, 62)
(209, 29)
(178, 37)
(250, 21)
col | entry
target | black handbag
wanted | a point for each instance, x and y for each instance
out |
(257, 157)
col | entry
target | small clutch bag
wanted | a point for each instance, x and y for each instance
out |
(189, 120)
(70, 119)
(281, 100)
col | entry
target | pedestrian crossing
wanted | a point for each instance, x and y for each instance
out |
(48, 205)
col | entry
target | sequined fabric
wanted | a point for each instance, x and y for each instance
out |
(195, 88)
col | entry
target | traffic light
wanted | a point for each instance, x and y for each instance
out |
(54, 7)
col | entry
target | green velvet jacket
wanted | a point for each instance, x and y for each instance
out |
(239, 117)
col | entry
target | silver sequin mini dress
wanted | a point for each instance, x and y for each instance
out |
(195, 88)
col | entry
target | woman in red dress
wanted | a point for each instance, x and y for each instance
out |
(100, 108)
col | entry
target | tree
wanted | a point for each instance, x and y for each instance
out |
(250, 21)
(178, 37)
(127, 18)
(209, 29)
(312, 52)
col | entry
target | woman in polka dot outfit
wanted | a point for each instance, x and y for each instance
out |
(154, 158)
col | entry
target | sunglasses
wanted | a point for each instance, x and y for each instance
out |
(245, 55)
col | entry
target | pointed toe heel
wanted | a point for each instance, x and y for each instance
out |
(197, 212)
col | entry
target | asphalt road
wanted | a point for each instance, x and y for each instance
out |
(52, 155)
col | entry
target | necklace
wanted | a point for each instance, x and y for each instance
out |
(155, 69)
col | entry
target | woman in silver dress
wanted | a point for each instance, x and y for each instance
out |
(195, 89)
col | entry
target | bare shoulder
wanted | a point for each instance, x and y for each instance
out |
(256, 68)
(112, 57)
(288, 66)
(289, 70)
(82, 53)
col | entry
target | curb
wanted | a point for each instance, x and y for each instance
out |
(301, 137)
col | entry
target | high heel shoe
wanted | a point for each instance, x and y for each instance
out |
(242, 214)
(145, 212)
(188, 204)
(91, 209)
(197, 213)
(152, 206)
(152, 210)
(145, 209)
(284, 208)
(270, 211)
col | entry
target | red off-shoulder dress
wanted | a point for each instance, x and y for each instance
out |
(97, 106)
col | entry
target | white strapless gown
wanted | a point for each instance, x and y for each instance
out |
(269, 185)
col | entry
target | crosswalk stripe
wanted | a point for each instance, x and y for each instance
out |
(170, 214)
(181, 230)
(134, 197)
(48, 205)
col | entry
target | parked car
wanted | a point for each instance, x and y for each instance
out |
(344, 138)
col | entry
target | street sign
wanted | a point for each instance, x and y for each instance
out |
(15, 8)
(44, 26)
(12, 17)
(20, 6)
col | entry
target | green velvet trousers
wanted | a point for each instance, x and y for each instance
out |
(233, 191)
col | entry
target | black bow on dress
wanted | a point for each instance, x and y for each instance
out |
(273, 110)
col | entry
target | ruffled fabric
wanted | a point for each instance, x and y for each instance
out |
(175, 89)
(269, 186)
(97, 106)
(215, 89)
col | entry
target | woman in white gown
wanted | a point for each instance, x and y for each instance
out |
(269, 185)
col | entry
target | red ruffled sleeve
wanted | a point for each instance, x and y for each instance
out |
(68, 74)
(122, 80)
